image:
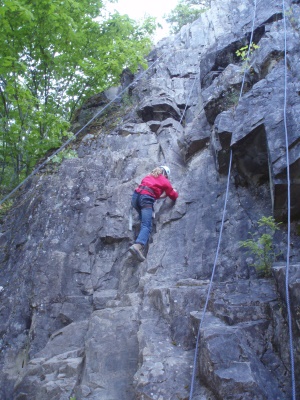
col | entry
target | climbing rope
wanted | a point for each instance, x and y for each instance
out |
(289, 218)
(211, 281)
(221, 231)
(188, 99)
(249, 49)
(289, 211)
(76, 134)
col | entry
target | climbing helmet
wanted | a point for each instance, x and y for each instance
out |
(166, 170)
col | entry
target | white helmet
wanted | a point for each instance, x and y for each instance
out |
(166, 170)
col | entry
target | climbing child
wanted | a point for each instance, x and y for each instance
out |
(154, 186)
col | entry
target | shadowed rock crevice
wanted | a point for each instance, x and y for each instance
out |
(280, 202)
(251, 158)
(222, 86)
(274, 18)
(224, 92)
(217, 60)
(262, 64)
(221, 140)
(158, 110)
(281, 190)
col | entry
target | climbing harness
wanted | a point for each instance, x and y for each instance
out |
(76, 134)
(142, 187)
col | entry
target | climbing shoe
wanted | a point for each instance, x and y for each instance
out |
(137, 250)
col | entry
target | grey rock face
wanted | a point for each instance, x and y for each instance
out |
(79, 316)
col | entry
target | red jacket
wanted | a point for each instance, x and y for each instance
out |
(158, 186)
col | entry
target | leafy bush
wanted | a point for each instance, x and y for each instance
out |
(243, 51)
(5, 207)
(261, 245)
(63, 155)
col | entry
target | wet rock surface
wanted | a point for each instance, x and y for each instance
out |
(82, 318)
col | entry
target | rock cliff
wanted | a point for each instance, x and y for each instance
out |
(80, 318)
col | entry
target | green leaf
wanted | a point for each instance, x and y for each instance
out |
(53, 56)
(261, 245)
(185, 12)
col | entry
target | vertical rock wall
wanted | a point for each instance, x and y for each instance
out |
(79, 316)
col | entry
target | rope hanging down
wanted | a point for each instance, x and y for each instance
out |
(75, 135)
(211, 281)
(289, 219)
(183, 114)
(220, 236)
(289, 212)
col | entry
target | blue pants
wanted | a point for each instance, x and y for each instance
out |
(144, 206)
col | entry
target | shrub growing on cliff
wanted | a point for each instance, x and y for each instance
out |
(261, 245)
(64, 155)
(243, 51)
(4, 208)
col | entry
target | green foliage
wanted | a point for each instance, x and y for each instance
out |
(64, 155)
(292, 17)
(53, 56)
(185, 12)
(261, 245)
(5, 207)
(243, 51)
(127, 100)
(231, 99)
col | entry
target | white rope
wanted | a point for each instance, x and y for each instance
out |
(210, 283)
(290, 328)
(221, 231)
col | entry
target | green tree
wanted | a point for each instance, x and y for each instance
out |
(185, 12)
(261, 245)
(53, 55)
